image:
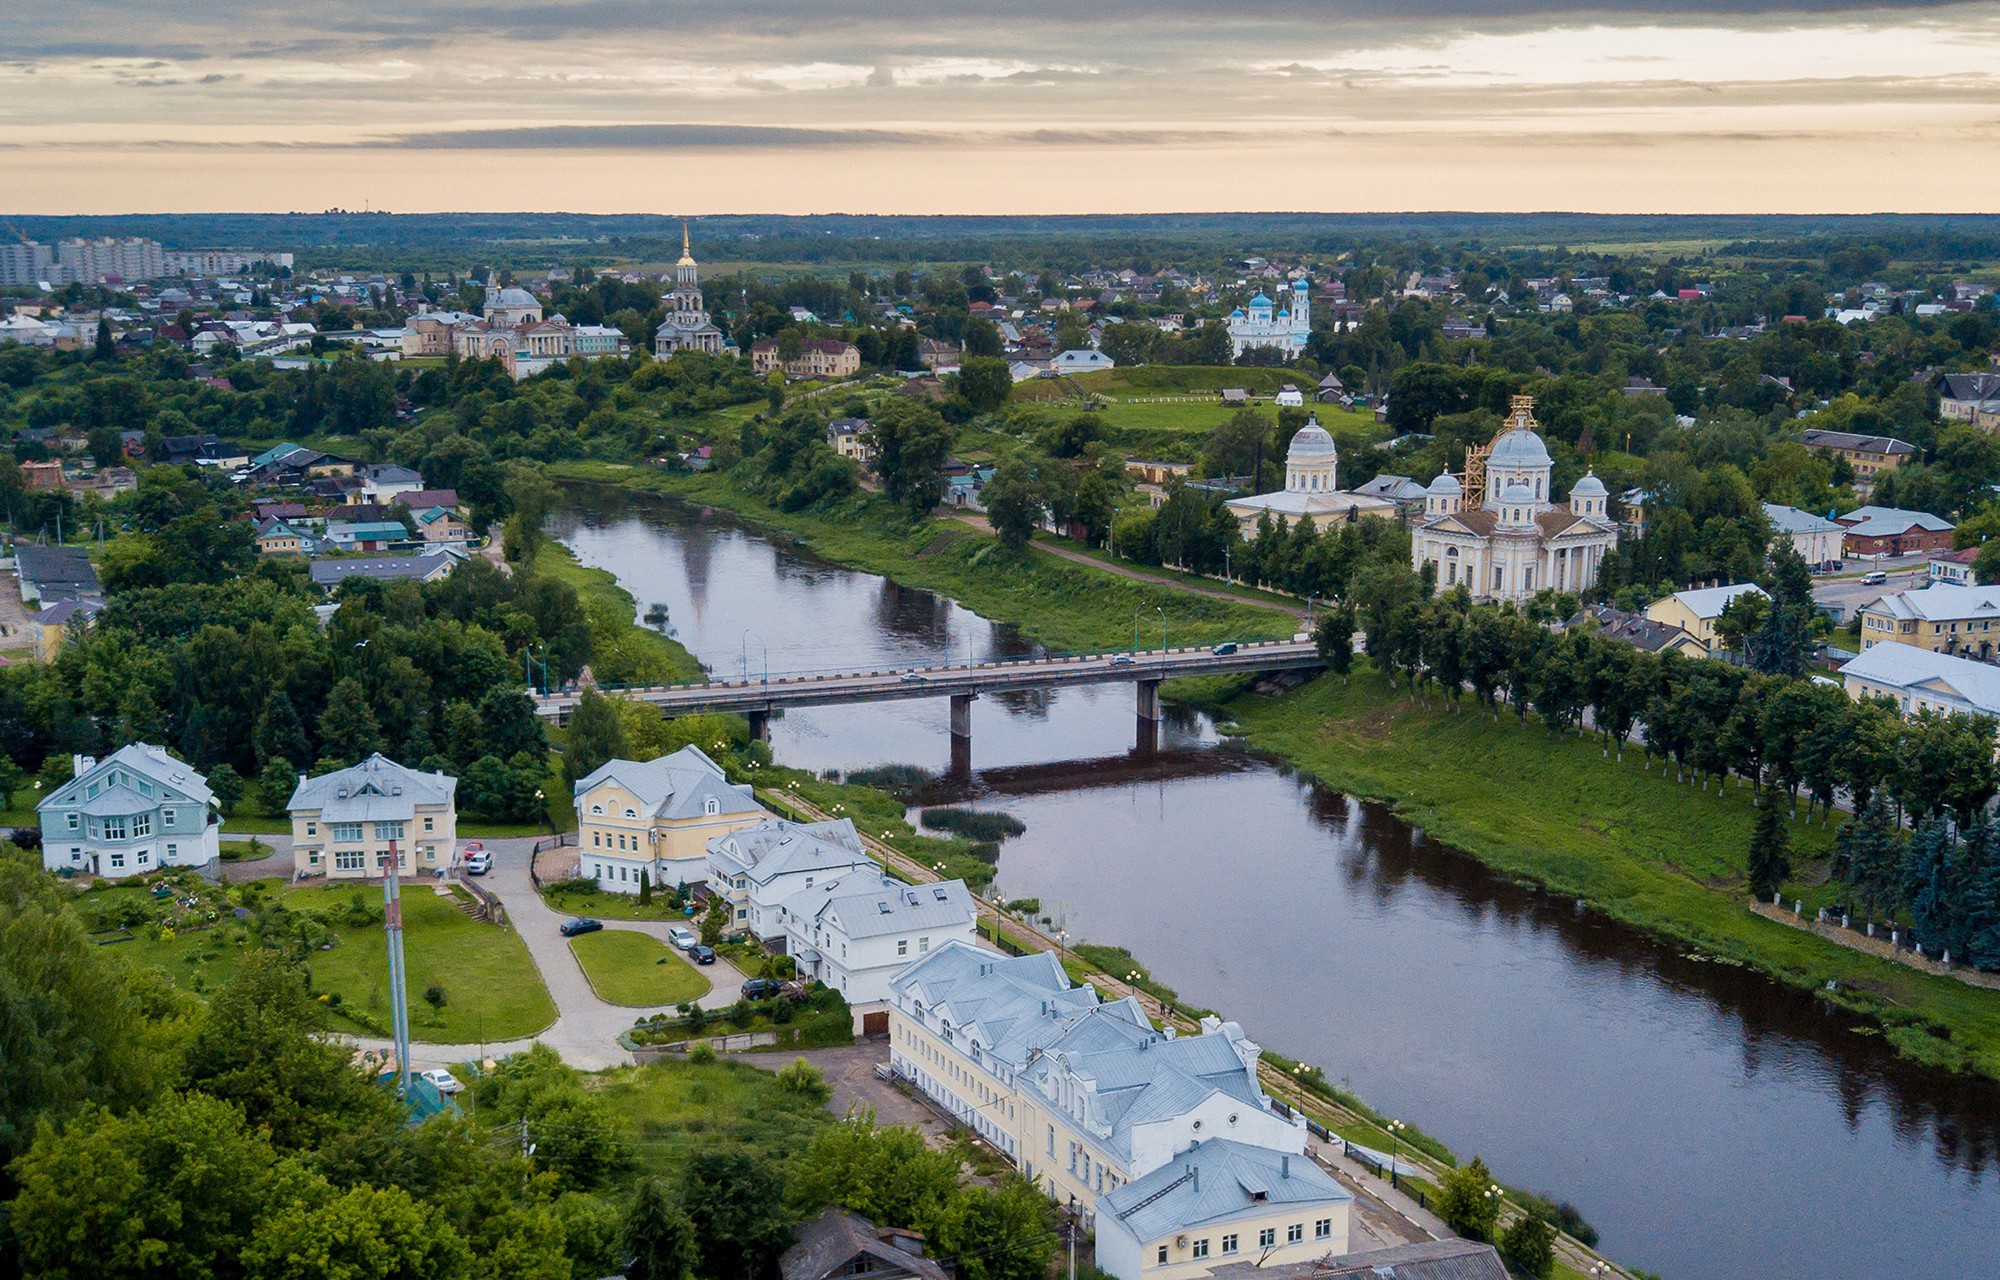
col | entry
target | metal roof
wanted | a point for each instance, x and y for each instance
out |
(1213, 1182)
(674, 786)
(1945, 677)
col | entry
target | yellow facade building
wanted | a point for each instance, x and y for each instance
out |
(345, 824)
(651, 821)
(1942, 618)
(1696, 612)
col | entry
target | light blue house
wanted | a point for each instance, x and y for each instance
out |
(137, 810)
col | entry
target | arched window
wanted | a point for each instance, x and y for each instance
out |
(597, 809)
(631, 813)
(712, 805)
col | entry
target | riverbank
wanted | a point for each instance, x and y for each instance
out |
(622, 651)
(1662, 856)
(1059, 603)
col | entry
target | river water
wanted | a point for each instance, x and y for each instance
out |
(1711, 1124)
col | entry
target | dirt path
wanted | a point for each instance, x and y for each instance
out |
(980, 523)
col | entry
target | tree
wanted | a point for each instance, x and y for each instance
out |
(596, 735)
(227, 785)
(1782, 642)
(1529, 1245)
(912, 444)
(280, 731)
(1770, 862)
(645, 888)
(275, 783)
(105, 349)
(1334, 638)
(659, 1239)
(1013, 502)
(985, 382)
(983, 340)
(715, 919)
(370, 1233)
(735, 1199)
(1468, 1200)
(348, 730)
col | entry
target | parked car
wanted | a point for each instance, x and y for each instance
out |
(763, 989)
(1226, 647)
(477, 861)
(682, 937)
(445, 1081)
(699, 954)
(580, 925)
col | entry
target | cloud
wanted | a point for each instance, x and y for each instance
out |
(663, 137)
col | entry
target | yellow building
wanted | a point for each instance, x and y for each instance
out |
(1942, 618)
(1868, 455)
(654, 819)
(54, 626)
(817, 358)
(344, 824)
(276, 538)
(1696, 612)
(1167, 1145)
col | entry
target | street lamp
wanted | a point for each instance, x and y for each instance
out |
(1135, 628)
(1395, 1128)
(1162, 611)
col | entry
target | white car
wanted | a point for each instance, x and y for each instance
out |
(445, 1081)
(478, 862)
(682, 937)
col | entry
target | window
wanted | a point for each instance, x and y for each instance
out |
(430, 824)
(631, 813)
(711, 805)
(347, 860)
(344, 832)
(173, 850)
(389, 830)
(595, 841)
(167, 817)
(1323, 1229)
(142, 824)
(312, 828)
(114, 828)
(1267, 1237)
(902, 946)
(76, 822)
(597, 809)
(1295, 1233)
(1200, 1249)
(1499, 577)
(118, 860)
(923, 945)
(1161, 1258)
(312, 859)
(1229, 1243)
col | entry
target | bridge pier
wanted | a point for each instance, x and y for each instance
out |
(1149, 699)
(760, 723)
(961, 734)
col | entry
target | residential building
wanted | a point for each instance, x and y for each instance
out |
(1868, 455)
(1222, 1201)
(1924, 680)
(383, 482)
(1447, 1259)
(1947, 619)
(1953, 568)
(939, 357)
(1266, 326)
(1696, 612)
(686, 326)
(1888, 531)
(136, 810)
(757, 868)
(431, 566)
(855, 932)
(49, 574)
(839, 1245)
(818, 358)
(654, 819)
(345, 824)
(1962, 395)
(1815, 538)
(1311, 493)
(420, 499)
(441, 525)
(275, 537)
(851, 438)
(1080, 360)
(1086, 1096)
(58, 623)
(26, 264)
(129, 260)
(1517, 540)
(1637, 629)
(365, 535)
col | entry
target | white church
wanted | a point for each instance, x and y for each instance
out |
(1264, 325)
(1515, 539)
(1312, 491)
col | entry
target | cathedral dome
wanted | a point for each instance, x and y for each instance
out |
(1445, 486)
(513, 297)
(1516, 493)
(1589, 487)
(1311, 444)
(1260, 300)
(1519, 448)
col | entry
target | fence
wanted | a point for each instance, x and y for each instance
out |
(735, 1042)
(490, 910)
(543, 846)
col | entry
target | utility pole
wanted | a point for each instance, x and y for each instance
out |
(399, 1006)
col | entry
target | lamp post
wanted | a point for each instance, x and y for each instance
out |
(1395, 1128)
(1135, 628)
(1162, 611)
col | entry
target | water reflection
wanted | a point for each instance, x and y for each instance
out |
(1707, 1121)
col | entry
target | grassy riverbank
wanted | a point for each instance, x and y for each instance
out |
(622, 651)
(1657, 854)
(1058, 602)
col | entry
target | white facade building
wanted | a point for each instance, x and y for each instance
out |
(759, 867)
(1265, 324)
(857, 931)
(1312, 491)
(1517, 539)
(686, 326)
(136, 810)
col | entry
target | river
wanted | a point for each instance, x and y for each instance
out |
(1711, 1124)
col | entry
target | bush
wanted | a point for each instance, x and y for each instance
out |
(434, 996)
(899, 780)
(1529, 1245)
(702, 1055)
(974, 824)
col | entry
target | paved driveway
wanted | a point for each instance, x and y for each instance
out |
(586, 1028)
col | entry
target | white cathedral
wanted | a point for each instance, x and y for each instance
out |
(686, 326)
(1263, 325)
(1517, 540)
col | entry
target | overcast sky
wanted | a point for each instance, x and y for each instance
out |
(1028, 106)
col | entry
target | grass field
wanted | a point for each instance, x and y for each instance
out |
(1059, 603)
(610, 906)
(630, 968)
(1641, 847)
(672, 1108)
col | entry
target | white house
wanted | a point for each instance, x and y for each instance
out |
(345, 823)
(136, 810)
(1080, 360)
(1924, 680)
(857, 931)
(1815, 538)
(757, 868)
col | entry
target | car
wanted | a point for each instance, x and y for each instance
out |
(1875, 579)
(682, 937)
(478, 862)
(701, 955)
(580, 926)
(763, 989)
(1226, 647)
(445, 1081)
(1121, 660)
(911, 677)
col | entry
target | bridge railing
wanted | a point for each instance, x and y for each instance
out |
(1024, 662)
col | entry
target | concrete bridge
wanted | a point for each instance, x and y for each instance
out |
(962, 683)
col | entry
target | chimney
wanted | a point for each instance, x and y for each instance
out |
(1194, 1171)
(80, 765)
(1284, 1166)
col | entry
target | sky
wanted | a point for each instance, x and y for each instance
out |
(1031, 106)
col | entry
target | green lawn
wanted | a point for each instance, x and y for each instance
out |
(609, 906)
(1658, 854)
(672, 1108)
(630, 968)
(1062, 604)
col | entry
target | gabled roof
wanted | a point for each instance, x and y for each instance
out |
(870, 904)
(377, 788)
(778, 847)
(162, 769)
(1905, 666)
(1941, 602)
(673, 786)
(56, 568)
(1886, 522)
(1791, 520)
(1213, 1182)
(1859, 443)
(1709, 602)
(834, 1239)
